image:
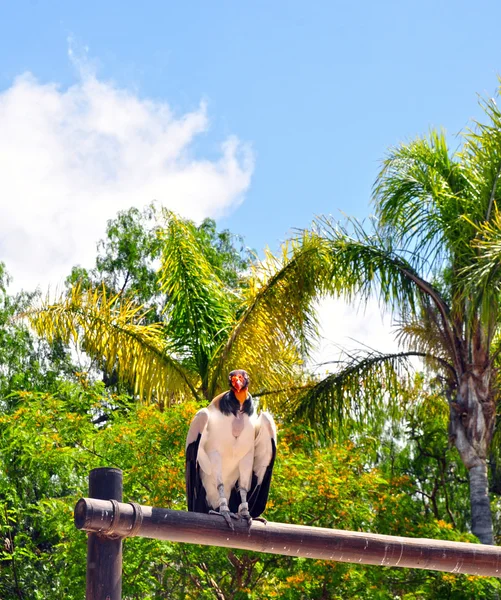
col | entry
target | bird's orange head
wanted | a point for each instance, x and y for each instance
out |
(239, 382)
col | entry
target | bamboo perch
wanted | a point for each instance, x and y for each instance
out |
(117, 519)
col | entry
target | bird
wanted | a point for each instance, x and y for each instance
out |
(230, 453)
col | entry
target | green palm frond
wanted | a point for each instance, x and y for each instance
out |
(366, 386)
(366, 265)
(112, 330)
(278, 319)
(200, 308)
(420, 195)
(481, 156)
(481, 278)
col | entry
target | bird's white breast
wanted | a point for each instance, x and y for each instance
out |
(221, 451)
(229, 435)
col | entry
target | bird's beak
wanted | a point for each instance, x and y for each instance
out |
(238, 384)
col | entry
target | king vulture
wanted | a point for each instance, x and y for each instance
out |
(230, 453)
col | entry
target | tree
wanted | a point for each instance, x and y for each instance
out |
(208, 327)
(423, 258)
(25, 362)
(128, 256)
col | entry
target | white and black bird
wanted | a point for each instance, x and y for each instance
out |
(230, 453)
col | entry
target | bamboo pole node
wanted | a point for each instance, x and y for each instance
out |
(138, 520)
(111, 531)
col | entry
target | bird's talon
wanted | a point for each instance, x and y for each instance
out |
(227, 515)
(243, 513)
(247, 518)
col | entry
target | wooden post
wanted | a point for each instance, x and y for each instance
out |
(104, 549)
(292, 540)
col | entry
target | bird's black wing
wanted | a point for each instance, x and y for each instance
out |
(258, 496)
(195, 491)
(265, 449)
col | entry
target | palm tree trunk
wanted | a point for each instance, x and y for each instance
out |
(472, 419)
(481, 517)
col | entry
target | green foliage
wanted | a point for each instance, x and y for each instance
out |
(55, 439)
(415, 445)
(25, 362)
(228, 261)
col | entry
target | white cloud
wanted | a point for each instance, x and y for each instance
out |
(71, 158)
(344, 328)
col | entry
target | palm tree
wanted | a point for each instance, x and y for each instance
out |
(209, 327)
(427, 259)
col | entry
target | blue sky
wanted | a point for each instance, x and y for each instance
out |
(285, 109)
(319, 90)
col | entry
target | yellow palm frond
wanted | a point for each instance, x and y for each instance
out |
(278, 319)
(111, 329)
